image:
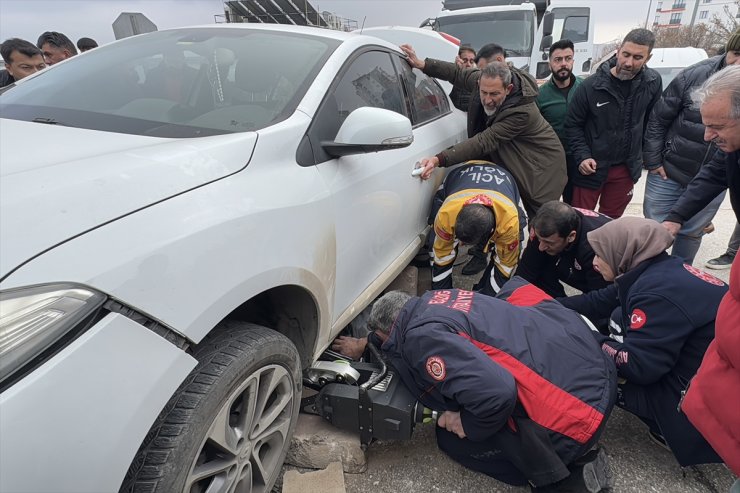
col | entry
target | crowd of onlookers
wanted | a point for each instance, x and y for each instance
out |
(506, 370)
(22, 58)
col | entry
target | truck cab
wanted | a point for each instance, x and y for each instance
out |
(525, 29)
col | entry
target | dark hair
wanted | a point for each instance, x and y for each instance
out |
(563, 44)
(489, 51)
(21, 46)
(57, 39)
(84, 44)
(642, 37)
(474, 222)
(465, 48)
(556, 217)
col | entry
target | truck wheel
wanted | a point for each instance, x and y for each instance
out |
(228, 426)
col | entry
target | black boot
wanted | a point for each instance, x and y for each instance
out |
(589, 474)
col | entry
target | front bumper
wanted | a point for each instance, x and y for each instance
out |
(75, 423)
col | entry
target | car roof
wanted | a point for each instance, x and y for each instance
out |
(676, 57)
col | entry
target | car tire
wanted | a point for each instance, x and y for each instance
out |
(228, 426)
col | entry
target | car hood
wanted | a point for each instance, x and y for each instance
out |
(59, 182)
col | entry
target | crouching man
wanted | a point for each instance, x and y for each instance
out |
(522, 388)
(480, 206)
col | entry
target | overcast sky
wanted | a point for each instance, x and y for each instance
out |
(93, 18)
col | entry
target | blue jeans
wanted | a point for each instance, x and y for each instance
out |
(733, 246)
(660, 196)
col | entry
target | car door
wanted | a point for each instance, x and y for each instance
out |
(379, 209)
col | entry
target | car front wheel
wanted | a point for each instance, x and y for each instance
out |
(228, 426)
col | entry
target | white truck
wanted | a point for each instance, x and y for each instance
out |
(525, 29)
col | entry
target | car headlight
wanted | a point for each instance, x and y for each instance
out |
(34, 319)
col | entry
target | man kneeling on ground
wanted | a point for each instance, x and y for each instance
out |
(559, 251)
(523, 389)
(478, 205)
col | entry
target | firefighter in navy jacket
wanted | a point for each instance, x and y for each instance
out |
(517, 374)
(498, 223)
(662, 319)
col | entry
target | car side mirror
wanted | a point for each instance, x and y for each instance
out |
(370, 129)
(543, 70)
(546, 42)
(548, 21)
(586, 67)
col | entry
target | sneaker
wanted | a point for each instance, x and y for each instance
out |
(477, 263)
(658, 440)
(722, 262)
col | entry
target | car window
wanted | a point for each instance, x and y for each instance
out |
(427, 99)
(571, 23)
(179, 83)
(369, 79)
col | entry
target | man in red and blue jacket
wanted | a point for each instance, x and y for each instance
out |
(522, 387)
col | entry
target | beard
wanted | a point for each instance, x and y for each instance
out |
(490, 112)
(561, 78)
(624, 74)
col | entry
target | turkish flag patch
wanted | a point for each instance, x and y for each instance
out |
(512, 246)
(638, 319)
(436, 368)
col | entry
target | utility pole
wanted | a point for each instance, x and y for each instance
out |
(647, 18)
(693, 16)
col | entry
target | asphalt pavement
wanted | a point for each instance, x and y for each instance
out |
(637, 464)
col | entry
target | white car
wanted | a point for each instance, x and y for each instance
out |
(188, 218)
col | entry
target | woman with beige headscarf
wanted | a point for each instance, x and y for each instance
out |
(662, 315)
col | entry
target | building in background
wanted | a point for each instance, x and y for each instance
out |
(291, 12)
(677, 13)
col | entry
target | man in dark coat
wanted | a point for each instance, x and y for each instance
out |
(719, 100)
(675, 150)
(559, 251)
(504, 127)
(605, 124)
(522, 389)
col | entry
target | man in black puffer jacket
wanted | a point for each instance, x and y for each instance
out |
(675, 150)
(605, 125)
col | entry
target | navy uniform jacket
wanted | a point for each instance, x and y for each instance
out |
(485, 183)
(574, 266)
(666, 310)
(479, 355)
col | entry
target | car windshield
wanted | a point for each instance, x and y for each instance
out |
(179, 83)
(514, 30)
